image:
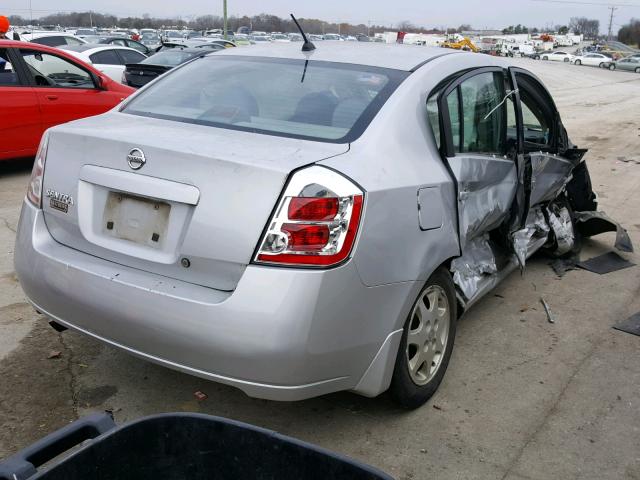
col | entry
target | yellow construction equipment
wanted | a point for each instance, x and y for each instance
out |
(464, 44)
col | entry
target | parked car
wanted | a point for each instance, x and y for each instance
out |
(593, 60)
(280, 38)
(52, 39)
(41, 87)
(125, 42)
(109, 59)
(557, 57)
(631, 64)
(139, 74)
(296, 226)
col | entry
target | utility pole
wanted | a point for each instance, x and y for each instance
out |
(224, 16)
(369, 28)
(613, 8)
(91, 18)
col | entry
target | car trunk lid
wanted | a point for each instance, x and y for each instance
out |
(195, 209)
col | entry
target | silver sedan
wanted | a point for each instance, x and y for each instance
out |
(294, 223)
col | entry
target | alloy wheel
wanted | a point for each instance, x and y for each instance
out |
(428, 334)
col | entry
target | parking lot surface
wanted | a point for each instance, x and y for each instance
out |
(522, 398)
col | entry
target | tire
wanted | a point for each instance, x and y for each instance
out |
(601, 65)
(567, 60)
(545, 58)
(411, 388)
(578, 62)
(612, 67)
(637, 70)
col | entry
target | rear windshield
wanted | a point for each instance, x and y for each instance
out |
(324, 101)
(168, 58)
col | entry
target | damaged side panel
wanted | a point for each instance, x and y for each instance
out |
(549, 174)
(487, 188)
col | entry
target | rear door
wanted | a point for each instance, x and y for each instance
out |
(20, 122)
(479, 149)
(109, 63)
(542, 138)
(65, 90)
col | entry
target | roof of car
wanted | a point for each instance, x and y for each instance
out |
(94, 47)
(394, 56)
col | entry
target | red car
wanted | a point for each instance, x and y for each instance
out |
(41, 87)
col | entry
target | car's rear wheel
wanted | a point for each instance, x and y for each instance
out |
(637, 69)
(545, 58)
(612, 67)
(427, 342)
(601, 65)
(578, 62)
(567, 60)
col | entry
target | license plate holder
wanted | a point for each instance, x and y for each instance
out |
(140, 220)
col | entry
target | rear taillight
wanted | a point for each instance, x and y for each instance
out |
(34, 192)
(316, 221)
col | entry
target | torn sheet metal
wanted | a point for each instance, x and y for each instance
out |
(606, 263)
(562, 228)
(486, 190)
(530, 238)
(549, 174)
(477, 262)
(594, 223)
(630, 325)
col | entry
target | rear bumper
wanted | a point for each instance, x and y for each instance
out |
(283, 334)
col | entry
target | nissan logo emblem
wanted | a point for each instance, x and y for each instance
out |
(136, 159)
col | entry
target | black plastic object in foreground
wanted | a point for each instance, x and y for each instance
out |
(23, 464)
(191, 446)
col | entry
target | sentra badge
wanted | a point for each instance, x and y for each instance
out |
(59, 201)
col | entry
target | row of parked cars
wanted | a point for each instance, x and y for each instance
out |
(72, 80)
(593, 59)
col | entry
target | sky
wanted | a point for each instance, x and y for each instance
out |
(428, 13)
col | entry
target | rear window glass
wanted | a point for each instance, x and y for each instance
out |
(168, 58)
(295, 98)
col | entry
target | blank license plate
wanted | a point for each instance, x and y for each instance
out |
(139, 220)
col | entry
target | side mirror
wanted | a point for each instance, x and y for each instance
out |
(98, 81)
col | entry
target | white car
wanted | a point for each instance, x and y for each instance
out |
(52, 39)
(558, 57)
(280, 38)
(594, 60)
(109, 59)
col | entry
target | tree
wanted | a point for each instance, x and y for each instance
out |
(630, 33)
(465, 27)
(584, 26)
(406, 26)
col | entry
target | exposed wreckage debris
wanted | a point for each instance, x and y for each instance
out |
(552, 207)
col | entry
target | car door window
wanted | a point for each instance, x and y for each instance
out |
(49, 70)
(129, 56)
(483, 121)
(73, 41)
(537, 114)
(105, 57)
(136, 46)
(8, 77)
(55, 41)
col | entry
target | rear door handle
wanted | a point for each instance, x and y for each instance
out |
(52, 97)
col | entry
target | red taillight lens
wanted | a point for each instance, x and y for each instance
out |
(313, 209)
(314, 231)
(304, 238)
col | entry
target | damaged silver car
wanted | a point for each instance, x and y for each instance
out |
(295, 224)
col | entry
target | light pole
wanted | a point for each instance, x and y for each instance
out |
(224, 16)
